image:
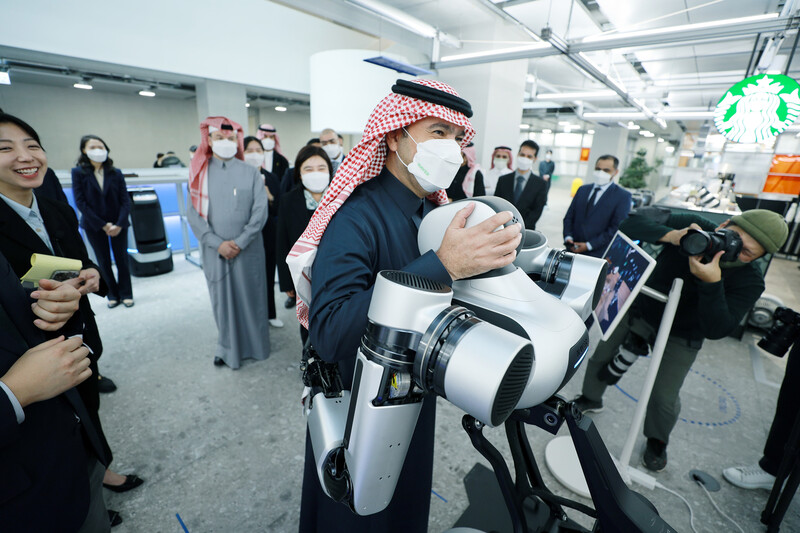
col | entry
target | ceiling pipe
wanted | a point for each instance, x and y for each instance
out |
(653, 38)
(586, 66)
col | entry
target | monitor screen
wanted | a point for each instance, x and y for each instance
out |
(628, 268)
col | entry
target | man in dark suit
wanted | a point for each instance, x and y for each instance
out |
(596, 210)
(51, 459)
(523, 188)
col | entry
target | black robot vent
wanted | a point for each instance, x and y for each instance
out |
(513, 385)
(414, 281)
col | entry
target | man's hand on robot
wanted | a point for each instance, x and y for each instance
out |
(467, 252)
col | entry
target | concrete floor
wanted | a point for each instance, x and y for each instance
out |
(224, 449)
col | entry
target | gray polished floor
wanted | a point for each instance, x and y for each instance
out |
(224, 449)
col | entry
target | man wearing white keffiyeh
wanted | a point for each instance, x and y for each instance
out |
(409, 152)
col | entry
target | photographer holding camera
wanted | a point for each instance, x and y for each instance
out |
(720, 286)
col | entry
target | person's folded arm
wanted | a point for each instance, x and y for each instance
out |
(258, 213)
(124, 201)
(202, 229)
(87, 211)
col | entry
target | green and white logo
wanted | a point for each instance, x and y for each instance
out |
(757, 108)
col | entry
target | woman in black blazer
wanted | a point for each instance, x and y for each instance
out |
(60, 237)
(254, 155)
(102, 198)
(312, 175)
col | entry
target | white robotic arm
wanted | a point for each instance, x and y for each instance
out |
(509, 298)
(416, 343)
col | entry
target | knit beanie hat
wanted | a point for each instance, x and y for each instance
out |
(766, 227)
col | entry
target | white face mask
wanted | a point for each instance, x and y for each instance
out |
(315, 181)
(268, 143)
(601, 177)
(500, 162)
(435, 164)
(547, 157)
(98, 155)
(333, 150)
(524, 164)
(254, 158)
(224, 148)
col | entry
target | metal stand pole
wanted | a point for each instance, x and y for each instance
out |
(560, 455)
(187, 252)
(655, 362)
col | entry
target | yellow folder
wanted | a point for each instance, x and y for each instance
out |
(47, 266)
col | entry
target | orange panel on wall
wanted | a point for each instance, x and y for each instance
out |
(584, 154)
(784, 175)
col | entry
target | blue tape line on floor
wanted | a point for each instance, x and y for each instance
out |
(723, 408)
(181, 522)
(438, 496)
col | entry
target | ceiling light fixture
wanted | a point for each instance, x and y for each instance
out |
(5, 79)
(577, 95)
(664, 115)
(473, 55)
(590, 132)
(149, 92)
(83, 84)
(669, 149)
(280, 108)
(676, 29)
(524, 126)
(547, 131)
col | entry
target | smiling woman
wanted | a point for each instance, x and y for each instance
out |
(31, 224)
(23, 161)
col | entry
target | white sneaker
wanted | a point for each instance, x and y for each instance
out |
(749, 477)
(276, 322)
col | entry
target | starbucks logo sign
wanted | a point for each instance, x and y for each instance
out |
(757, 108)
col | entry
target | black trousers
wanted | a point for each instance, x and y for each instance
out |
(787, 410)
(117, 289)
(270, 237)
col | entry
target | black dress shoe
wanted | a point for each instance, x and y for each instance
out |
(131, 482)
(114, 517)
(289, 303)
(218, 361)
(105, 384)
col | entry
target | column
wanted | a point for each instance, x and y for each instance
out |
(607, 141)
(496, 92)
(220, 98)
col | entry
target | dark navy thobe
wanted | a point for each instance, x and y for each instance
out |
(374, 230)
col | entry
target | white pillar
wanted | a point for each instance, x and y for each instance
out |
(607, 141)
(222, 99)
(496, 92)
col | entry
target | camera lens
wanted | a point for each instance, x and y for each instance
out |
(695, 242)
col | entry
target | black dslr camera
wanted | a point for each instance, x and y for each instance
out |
(707, 244)
(783, 334)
